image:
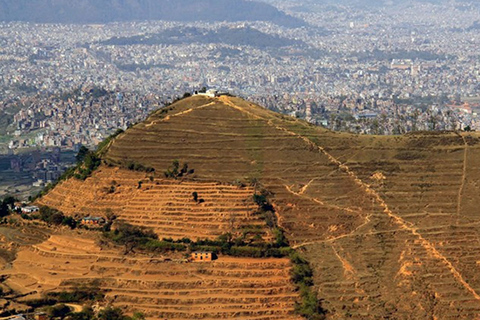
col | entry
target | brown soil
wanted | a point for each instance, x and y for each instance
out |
(167, 206)
(161, 288)
(390, 224)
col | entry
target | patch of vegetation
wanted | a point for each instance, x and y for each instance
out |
(238, 183)
(133, 67)
(55, 302)
(196, 198)
(41, 302)
(236, 37)
(136, 166)
(83, 293)
(302, 275)
(262, 202)
(131, 237)
(6, 206)
(55, 217)
(175, 172)
(136, 238)
(58, 311)
(90, 163)
(62, 311)
(72, 94)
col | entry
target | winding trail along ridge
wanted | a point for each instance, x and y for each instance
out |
(430, 248)
(168, 117)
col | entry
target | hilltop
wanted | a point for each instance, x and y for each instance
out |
(104, 11)
(388, 223)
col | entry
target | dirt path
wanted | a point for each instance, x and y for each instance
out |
(429, 247)
(179, 114)
(320, 202)
(74, 307)
(348, 269)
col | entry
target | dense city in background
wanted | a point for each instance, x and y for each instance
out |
(369, 70)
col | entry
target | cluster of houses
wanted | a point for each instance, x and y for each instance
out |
(86, 221)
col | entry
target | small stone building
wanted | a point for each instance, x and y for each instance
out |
(202, 256)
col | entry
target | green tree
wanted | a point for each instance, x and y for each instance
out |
(59, 311)
(3, 209)
(82, 153)
(9, 201)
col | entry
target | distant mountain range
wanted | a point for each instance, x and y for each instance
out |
(103, 11)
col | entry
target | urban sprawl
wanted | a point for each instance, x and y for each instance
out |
(372, 71)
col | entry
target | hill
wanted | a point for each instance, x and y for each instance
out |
(388, 223)
(244, 36)
(161, 288)
(104, 11)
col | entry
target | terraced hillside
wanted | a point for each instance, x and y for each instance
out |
(160, 288)
(389, 223)
(167, 206)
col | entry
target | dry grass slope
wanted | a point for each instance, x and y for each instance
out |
(389, 223)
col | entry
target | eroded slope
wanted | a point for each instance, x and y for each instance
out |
(389, 223)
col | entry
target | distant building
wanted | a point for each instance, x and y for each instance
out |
(366, 115)
(30, 209)
(92, 221)
(209, 93)
(401, 64)
(202, 256)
